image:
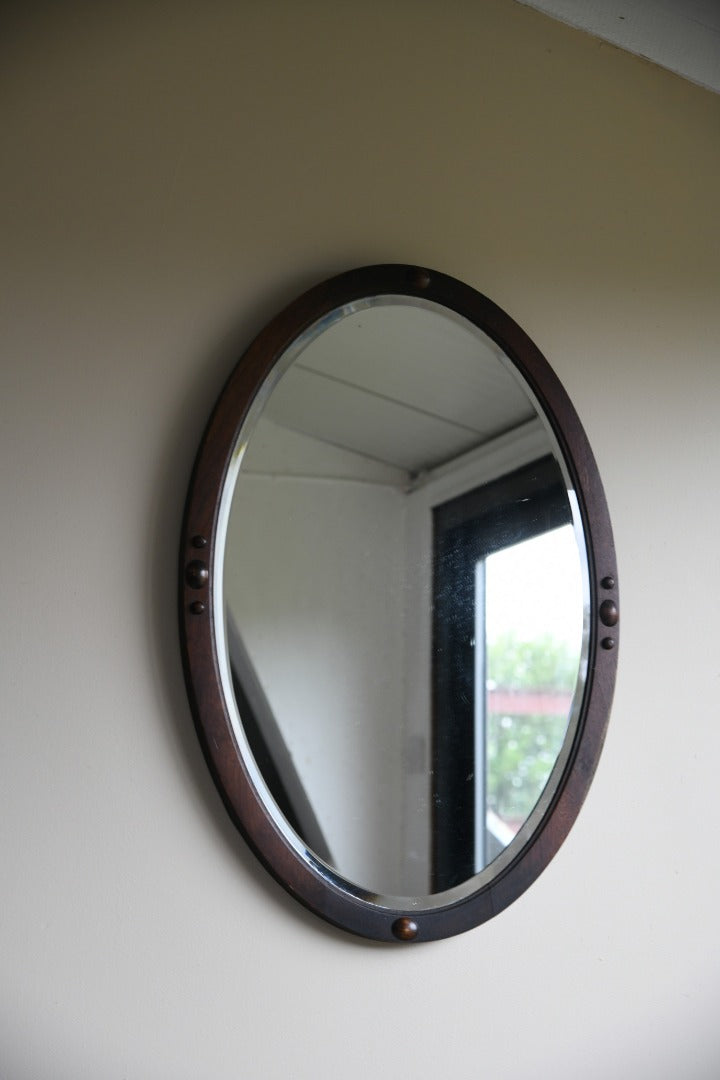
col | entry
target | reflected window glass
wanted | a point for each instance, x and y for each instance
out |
(532, 637)
(507, 632)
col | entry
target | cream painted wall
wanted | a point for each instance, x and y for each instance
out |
(172, 174)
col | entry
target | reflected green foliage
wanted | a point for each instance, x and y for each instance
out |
(522, 746)
(542, 664)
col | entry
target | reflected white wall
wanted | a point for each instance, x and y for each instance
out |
(315, 579)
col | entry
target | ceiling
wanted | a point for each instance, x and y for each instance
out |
(680, 35)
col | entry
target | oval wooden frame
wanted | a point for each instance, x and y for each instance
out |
(322, 894)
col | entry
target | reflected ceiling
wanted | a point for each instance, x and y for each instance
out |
(403, 413)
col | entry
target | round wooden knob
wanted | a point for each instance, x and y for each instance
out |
(197, 574)
(405, 929)
(609, 614)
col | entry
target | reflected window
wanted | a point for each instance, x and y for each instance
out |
(507, 632)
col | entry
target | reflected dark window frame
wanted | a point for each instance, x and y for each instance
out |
(518, 506)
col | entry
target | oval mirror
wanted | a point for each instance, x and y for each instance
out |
(398, 604)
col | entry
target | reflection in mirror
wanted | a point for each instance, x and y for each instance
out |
(405, 599)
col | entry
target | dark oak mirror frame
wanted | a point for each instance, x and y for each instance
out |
(322, 892)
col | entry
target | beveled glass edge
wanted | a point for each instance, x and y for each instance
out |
(485, 877)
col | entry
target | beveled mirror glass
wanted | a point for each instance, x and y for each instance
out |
(398, 604)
